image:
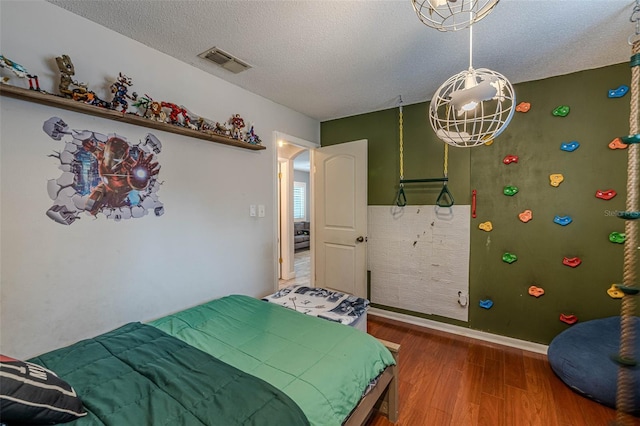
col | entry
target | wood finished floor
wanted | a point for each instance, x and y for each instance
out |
(302, 268)
(450, 380)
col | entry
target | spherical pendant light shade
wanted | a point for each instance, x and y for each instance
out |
(472, 107)
(452, 15)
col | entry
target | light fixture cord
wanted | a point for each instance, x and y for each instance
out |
(470, 46)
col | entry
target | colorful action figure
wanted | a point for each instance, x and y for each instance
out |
(20, 71)
(119, 89)
(81, 92)
(237, 124)
(175, 112)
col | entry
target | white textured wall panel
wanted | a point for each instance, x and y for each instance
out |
(419, 258)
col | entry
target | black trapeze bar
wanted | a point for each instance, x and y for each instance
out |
(424, 180)
(445, 199)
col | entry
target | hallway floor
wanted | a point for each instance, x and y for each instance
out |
(302, 268)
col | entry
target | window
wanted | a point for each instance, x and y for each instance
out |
(299, 201)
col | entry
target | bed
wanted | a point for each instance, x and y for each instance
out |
(232, 361)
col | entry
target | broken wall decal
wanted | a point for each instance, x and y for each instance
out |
(103, 174)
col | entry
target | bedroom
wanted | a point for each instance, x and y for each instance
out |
(61, 284)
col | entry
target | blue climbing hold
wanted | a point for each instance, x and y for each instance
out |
(570, 146)
(487, 303)
(562, 220)
(619, 92)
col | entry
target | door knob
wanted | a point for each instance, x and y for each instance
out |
(360, 239)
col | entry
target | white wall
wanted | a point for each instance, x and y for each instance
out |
(62, 283)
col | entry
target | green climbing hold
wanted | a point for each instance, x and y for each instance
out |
(617, 237)
(510, 190)
(561, 111)
(509, 257)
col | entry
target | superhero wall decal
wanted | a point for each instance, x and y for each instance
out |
(103, 174)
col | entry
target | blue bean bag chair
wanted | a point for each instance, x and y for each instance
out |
(581, 357)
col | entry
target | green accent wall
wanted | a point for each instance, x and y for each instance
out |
(535, 137)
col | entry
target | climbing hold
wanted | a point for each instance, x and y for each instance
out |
(526, 216)
(568, 319)
(509, 257)
(561, 111)
(510, 190)
(556, 179)
(523, 107)
(606, 194)
(510, 159)
(562, 220)
(536, 291)
(629, 215)
(615, 292)
(486, 226)
(617, 144)
(570, 146)
(619, 92)
(489, 142)
(630, 139)
(487, 303)
(617, 237)
(571, 261)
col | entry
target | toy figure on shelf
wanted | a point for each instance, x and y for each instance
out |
(252, 138)
(175, 112)
(119, 89)
(81, 92)
(152, 109)
(237, 124)
(221, 129)
(20, 71)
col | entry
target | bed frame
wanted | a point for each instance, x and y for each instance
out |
(383, 397)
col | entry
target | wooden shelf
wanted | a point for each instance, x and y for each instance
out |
(60, 102)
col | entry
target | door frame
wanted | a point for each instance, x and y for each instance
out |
(283, 221)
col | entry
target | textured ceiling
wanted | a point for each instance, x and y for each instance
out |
(332, 59)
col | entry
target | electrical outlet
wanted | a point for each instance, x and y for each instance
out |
(252, 210)
(261, 210)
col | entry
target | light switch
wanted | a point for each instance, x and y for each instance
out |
(261, 210)
(252, 210)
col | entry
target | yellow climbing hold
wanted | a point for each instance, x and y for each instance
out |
(486, 226)
(556, 179)
(615, 292)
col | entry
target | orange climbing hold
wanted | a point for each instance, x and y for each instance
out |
(617, 144)
(526, 216)
(536, 291)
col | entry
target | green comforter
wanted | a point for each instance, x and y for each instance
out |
(137, 375)
(323, 366)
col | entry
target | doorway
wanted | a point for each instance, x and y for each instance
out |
(295, 212)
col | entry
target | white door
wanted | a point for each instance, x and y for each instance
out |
(340, 206)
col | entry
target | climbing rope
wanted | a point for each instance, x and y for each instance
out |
(625, 390)
(401, 198)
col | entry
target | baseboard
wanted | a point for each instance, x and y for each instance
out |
(461, 331)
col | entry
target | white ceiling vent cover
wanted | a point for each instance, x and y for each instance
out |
(225, 60)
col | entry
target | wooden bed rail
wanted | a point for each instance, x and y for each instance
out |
(383, 397)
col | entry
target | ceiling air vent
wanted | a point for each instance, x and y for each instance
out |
(225, 60)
